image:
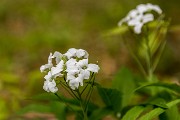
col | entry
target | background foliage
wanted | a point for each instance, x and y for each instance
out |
(30, 29)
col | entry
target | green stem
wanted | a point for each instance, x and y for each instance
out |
(66, 88)
(89, 95)
(70, 89)
(81, 104)
(136, 59)
(149, 57)
(87, 83)
(65, 103)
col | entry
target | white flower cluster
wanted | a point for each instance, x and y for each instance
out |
(140, 16)
(73, 65)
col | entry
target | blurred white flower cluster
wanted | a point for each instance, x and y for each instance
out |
(140, 16)
(73, 66)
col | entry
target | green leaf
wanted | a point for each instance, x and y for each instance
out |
(100, 113)
(111, 97)
(157, 111)
(159, 102)
(124, 82)
(170, 114)
(58, 109)
(133, 113)
(173, 87)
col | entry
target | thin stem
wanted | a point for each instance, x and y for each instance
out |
(81, 104)
(136, 59)
(149, 59)
(89, 95)
(65, 102)
(65, 87)
(86, 106)
(159, 56)
(71, 89)
(87, 83)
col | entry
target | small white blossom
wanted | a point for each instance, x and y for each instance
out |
(71, 66)
(75, 80)
(71, 53)
(81, 53)
(85, 73)
(139, 21)
(156, 8)
(48, 76)
(48, 65)
(83, 65)
(140, 16)
(93, 68)
(56, 71)
(50, 86)
(58, 56)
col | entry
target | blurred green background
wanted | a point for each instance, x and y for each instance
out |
(31, 29)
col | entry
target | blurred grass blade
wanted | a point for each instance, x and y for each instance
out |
(116, 31)
(173, 87)
(157, 111)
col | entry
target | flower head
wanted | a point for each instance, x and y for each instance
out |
(73, 66)
(136, 18)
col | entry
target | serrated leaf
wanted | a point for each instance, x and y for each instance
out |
(111, 97)
(133, 113)
(157, 111)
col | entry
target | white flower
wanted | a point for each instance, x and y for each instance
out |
(132, 14)
(85, 73)
(156, 8)
(75, 80)
(48, 76)
(71, 66)
(48, 65)
(139, 21)
(93, 68)
(58, 56)
(71, 53)
(50, 86)
(82, 53)
(86, 68)
(140, 16)
(56, 71)
(83, 65)
(142, 8)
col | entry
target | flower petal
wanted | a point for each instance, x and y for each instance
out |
(93, 68)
